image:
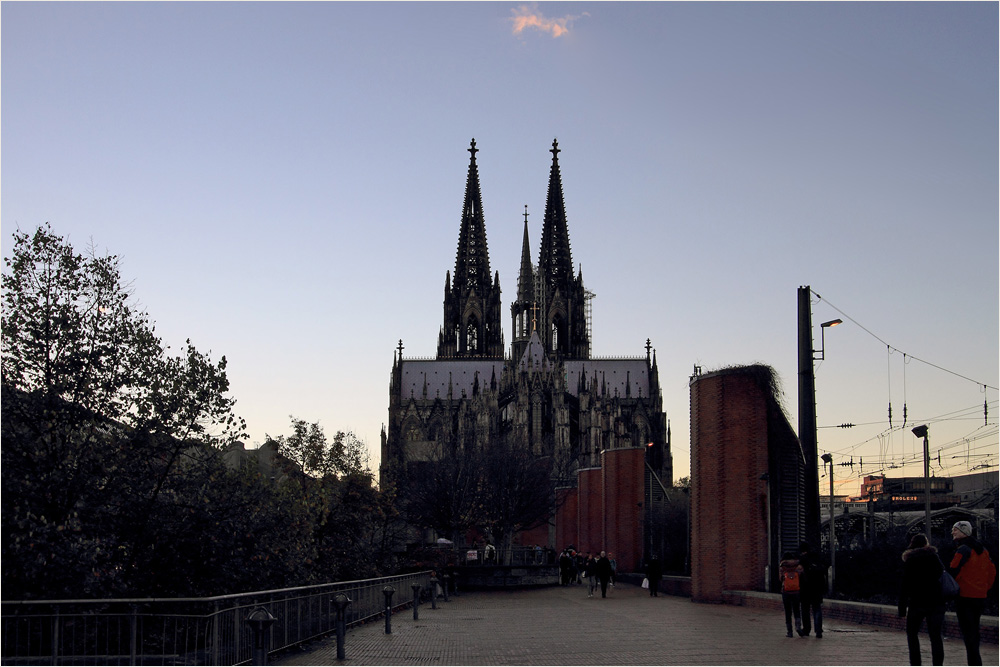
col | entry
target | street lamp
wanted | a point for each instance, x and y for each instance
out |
(828, 458)
(822, 337)
(921, 432)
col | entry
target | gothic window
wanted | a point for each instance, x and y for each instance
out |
(555, 335)
(412, 433)
(472, 336)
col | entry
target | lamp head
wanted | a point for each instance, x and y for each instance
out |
(827, 458)
(831, 323)
(920, 431)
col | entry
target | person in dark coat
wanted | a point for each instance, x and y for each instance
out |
(654, 572)
(920, 598)
(604, 573)
(565, 567)
(814, 585)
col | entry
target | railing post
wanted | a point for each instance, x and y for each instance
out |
(416, 601)
(55, 637)
(387, 592)
(215, 632)
(260, 621)
(132, 618)
(341, 601)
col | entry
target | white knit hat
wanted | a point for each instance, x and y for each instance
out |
(963, 527)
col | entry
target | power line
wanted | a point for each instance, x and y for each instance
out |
(896, 349)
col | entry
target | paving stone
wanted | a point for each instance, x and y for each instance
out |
(562, 626)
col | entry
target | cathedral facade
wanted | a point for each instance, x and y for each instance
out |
(547, 392)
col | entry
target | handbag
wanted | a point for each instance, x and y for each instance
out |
(949, 587)
(645, 582)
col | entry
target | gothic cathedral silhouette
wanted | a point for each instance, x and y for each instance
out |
(548, 397)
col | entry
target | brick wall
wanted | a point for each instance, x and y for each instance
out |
(566, 518)
(623, 486)
(590, 514)
(729, 445)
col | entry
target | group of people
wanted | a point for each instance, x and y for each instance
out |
(922, 597)
(803, 583)
(576, 566)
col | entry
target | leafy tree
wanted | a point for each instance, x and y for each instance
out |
(515, 490)
(103, 432)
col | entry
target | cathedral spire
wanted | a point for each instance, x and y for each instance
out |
(526, 278)
(555, 259)
(564, 325)
(472, 261)
(472, 295)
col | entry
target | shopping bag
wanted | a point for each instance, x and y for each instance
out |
(645, 583)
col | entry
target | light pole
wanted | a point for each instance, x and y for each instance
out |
(921, 432)
(828, 458)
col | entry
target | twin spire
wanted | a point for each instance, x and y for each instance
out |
(549, 298)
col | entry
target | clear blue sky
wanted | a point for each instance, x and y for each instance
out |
(285, 183)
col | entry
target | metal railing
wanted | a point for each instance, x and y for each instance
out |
(185, 631)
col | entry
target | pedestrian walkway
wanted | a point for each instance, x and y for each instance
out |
(562, 626)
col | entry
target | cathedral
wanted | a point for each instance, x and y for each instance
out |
(546, 391)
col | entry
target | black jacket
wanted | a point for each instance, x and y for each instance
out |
(921, 571)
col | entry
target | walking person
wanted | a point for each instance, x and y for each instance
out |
(920, 598)
(614, 568)
(565, 567)
(590, 572)
(654, 572)
(604, 573)
(975, 573)
(790, 572)
(813, 587)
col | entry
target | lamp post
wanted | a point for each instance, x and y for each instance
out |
(807, 407)
(921, 432)
(828, 458)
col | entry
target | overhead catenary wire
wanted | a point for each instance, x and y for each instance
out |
(896, 349)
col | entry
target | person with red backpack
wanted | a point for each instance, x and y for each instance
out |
(791, 583)
(975, 573)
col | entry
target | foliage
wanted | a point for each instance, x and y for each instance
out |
(498, 491)
(119, 467)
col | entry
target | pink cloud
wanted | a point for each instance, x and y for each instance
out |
(528, 16)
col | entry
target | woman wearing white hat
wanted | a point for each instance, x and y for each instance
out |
(975, 573)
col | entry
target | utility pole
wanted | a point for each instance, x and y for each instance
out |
(807, 415)
(921, 432)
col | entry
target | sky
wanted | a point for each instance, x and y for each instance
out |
(284, 185)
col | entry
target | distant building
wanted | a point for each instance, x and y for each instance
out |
(898, 494)
(547, 393)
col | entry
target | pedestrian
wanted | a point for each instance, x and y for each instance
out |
(590, 572)
(790, 572)
(814, 585)
(654, 572)
(581, 562)
(604, 573)
(565, 567)
(975, 573)
(614, 568)
(920, 598)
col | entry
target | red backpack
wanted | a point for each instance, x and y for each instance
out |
(789, 581)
